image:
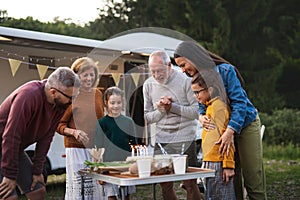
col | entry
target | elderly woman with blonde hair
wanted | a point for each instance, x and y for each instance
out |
(78, 127)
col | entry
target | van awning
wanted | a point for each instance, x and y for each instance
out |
(142, 43)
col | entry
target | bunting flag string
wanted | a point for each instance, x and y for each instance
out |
(116, 77)
(42, 69)
(14, 65)
(27, 63)
(23, 57)
(135, 77)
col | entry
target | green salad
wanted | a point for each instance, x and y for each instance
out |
(107, 164)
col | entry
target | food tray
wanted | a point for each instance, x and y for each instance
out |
(128, 179)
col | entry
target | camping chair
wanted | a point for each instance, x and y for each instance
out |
(262, 130)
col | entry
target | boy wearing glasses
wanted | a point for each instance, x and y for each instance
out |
(209, 91)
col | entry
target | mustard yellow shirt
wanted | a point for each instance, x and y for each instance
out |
(219, 113)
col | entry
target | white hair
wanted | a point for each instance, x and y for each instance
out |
(163, 55)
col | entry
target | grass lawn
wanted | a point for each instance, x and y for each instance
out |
(283, 179)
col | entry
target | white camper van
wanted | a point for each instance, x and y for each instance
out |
(121, 61)
(56, 157)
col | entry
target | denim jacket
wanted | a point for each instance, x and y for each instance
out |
(242, 110)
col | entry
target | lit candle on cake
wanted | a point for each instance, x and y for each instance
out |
(132, 150)
(147, 151)
(137, 150)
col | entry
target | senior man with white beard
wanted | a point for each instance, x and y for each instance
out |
(170, 104)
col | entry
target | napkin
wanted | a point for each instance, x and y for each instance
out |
(97, 154)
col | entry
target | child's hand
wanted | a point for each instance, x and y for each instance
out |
(227, 174)
(101, 182)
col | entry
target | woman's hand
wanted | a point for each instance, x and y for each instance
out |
(81, 136)
(226, 140)
(206, 123)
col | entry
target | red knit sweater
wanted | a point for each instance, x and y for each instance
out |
(25, 118)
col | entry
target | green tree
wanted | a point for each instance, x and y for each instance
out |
(63, 27)
(282, 33)
(261, 38)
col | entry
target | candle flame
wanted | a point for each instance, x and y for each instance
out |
(140, 150)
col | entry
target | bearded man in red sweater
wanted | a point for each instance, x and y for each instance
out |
(31, 114)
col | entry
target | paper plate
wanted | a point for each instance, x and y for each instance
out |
(115, 166)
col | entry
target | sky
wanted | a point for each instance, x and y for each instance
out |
(45, 10)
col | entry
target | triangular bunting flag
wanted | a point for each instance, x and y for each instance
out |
(135, 77)
(42, 69)
(14, 65)
(116, 77)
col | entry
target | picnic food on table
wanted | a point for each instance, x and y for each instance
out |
(161, 164)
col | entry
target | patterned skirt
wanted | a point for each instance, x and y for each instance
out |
(75, 161)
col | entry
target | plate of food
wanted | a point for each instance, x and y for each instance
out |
(108, 166)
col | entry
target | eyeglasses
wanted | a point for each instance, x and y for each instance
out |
(69, 97)
(158, 71)
(198, 91)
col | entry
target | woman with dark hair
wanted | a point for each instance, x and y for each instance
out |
(244, 123)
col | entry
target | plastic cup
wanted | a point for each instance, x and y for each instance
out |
(179, 164)
(144, 167)
(161, 161)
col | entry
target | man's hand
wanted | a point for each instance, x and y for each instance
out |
(37, 179)
(160, 107)
(226, 140)
(166, 102)
(7, 186)
(168, 107)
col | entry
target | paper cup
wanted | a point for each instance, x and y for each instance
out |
(144, 167)
(179, 164)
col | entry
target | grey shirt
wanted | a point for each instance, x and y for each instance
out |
(179, 124)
